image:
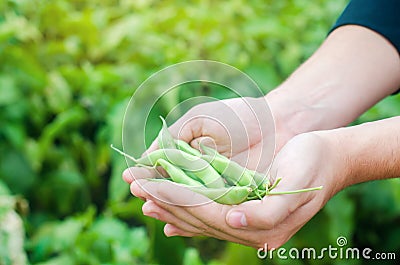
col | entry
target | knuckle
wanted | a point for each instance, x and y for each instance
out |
(204, 229)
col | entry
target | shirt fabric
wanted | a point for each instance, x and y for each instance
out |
(381, 16)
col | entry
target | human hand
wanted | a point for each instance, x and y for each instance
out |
(307, 160)
(240, 128)
(237, 128)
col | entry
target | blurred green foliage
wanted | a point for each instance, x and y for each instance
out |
(67, 70)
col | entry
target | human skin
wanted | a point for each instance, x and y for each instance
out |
(352, 70)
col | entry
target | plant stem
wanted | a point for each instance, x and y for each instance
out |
(295, 191)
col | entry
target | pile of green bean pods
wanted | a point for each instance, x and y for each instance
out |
(207, 172)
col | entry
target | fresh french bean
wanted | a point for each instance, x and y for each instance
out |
(184, 146)
(261, 180)
(193, 176)
(177, 174)
(164, 138)
(230, 170)
(209, 151)
(247, 176)
(201, 168)
(167, 154)
(226, 195)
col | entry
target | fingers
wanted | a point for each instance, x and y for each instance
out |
(182, 217)
(263, 214)
(167, 192)
(205, 218)
(134, 173)
(211, 142)
(187, 128)
(171, 230)
(151, 209)
(210, 219)
(152, 147)
(293, 223)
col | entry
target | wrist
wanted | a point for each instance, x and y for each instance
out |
(365, 152)
(337, 147)
(295, 113)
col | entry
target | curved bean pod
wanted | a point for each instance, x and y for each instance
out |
(177, 174)
(230, 196)
(231, 170)
(164, 138)
(261, 180)
(187, 162)
(184, 146)
(227, 195)
(257, 179)
(193, 176)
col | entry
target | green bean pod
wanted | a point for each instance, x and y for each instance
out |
(231, 170)
(258, 179)
(227, 195)
(261, 180)
(230, 196)
(187, 162)
(209, 176)
(184, 146)
(209, 151)
(199, 167)
(151, 158)
(148, 160)
(193, 176)
(177, 174)
(164, 138)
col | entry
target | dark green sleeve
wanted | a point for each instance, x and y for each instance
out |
(382, 16)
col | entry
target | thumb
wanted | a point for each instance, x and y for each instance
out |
(264, 214)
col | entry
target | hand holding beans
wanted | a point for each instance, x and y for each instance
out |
(235, 184)
(274, 218)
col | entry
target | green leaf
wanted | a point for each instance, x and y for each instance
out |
(341, 211)
(8, 91)
(192, 257)
(58, 93)
(15, 171)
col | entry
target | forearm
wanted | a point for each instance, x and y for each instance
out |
(352, 70)
(366, 152)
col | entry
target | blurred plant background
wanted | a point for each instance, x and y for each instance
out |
(67, 71)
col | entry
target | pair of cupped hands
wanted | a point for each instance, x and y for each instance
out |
(303, 160)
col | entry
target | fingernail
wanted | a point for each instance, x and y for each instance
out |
(153, 215)
(127, 176)
(168, 230)
(148, 209)
(237, 219)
